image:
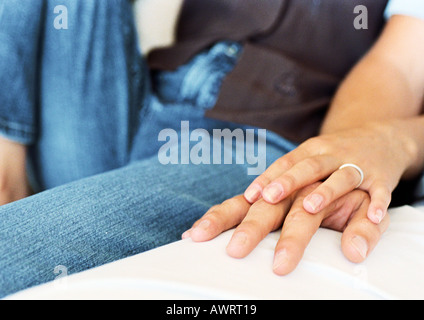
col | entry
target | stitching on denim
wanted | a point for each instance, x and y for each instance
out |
(16, 132)
(9, 125)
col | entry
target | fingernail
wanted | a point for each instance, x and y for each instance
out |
(378, 216)
(280, 259)
(313, 202)
(237, 243)
(361, 245)
(186, 234)
(200, 231)
(204, 225)
(273, 192)
(252, 193)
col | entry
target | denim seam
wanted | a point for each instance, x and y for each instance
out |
(16, 131)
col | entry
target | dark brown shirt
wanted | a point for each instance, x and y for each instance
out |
(296, 53)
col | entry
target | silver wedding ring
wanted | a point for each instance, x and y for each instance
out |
(347, 165)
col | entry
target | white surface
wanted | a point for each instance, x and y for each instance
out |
(156, 22)
(187, 270)
(413, 8)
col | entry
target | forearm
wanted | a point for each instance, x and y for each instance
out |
(411, 131)
(13, 157)
(387, 84)
(13, 180)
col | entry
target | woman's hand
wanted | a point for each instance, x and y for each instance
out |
(255, 221)
(13, 179)
(383, 151)
(372, 122)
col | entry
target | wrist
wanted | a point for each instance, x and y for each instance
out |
(12, 150)
(403, 143)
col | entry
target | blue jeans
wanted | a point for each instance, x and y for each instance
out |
(104, 195)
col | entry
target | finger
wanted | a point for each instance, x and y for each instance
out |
(361, 235)
(281, 165)
(187, 234)
(302, 174)
(381, 196)
(261, 219)
(298, 229)
(218, 219)
(337, 185)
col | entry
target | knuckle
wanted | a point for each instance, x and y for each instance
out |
(289, 181)
(213, 208)
(327, 192)
(314, 165)
(285, 163)
(352, 177)
(319, 144)
(225, 207)
(314, 141)
(360, 196)
(254, 227)
(212, 216)
(215, 213)
(230, 205)
(381, 188)
(227, 203)
(263, 180)
(295, 215)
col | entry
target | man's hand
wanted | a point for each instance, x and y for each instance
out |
(255, 221)
(13, 179)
